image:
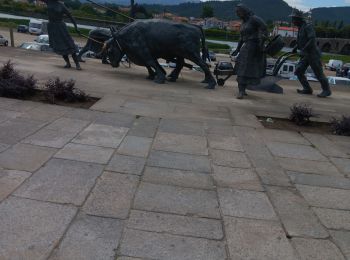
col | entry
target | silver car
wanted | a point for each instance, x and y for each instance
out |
(3, 41)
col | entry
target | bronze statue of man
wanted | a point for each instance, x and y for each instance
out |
(310, 55)
(251, 60)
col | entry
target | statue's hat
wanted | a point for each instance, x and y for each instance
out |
(297, 14)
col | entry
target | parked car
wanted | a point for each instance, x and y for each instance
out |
(22, 28)
(37, 26)
(344, 71)
(35, 46)
(44, 38)
(212, 56)
(338, 81)
(333, 65)
(3, 41)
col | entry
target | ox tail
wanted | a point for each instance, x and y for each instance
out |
(205, 52)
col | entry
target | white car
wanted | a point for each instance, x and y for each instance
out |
(44, 38)
(338, 81)
(333, 65)
(3, 41)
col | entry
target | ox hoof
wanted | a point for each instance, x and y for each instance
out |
(159, 81)
(171, 79)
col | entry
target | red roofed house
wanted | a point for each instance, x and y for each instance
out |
(285, 31)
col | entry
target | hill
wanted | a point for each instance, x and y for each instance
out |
(225, 9)
(269, 10)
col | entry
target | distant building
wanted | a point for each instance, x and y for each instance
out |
(170, 16)
(213, 22)
(285, 31)
(234, 26)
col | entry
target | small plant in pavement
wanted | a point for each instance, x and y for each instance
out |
(341, 126)
(56, 89)
(15, 85)
(301, 114)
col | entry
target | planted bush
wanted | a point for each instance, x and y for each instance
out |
(301, 114)
(13, 84)
(55, 89)
(341, 126)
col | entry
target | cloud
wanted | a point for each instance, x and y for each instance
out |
(300, 4)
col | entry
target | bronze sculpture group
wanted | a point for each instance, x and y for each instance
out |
(145, 41)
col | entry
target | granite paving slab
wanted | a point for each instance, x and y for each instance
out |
(182, 127)
(302, 152)
(273, 135)
(316, 249)
(257, 239)
(68, 125)
(321, 181)
(112, 196)
(10, 180)
(115, 119)
(181, 178)
(144, 127)
(342, 164)
(61, 181)
(179, 161)
(30, 229)
(246, 204)
(102, 135)
(325, 146)
(49, 138)
(334, 219)
(236, 178)
(13, 131)
(126, 164)
(225, 143)
(324, 197)
(176, 225)
(85, 153)
(316, 167)
(295, 214)
(221, 130)
(170, 199)
(342, 239)
(90, 238)
(230, 159)
(135, 146)
(151, 245)
(181, 143)
(25, 157)
(273, 176)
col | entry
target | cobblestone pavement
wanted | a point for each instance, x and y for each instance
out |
(172, 173)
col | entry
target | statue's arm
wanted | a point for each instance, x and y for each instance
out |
(69, 15)
(237, 50)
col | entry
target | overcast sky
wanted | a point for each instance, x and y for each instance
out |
(307, 4)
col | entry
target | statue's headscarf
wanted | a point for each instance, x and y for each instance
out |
(245, 9)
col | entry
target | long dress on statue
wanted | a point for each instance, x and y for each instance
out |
(60, 40)
(251, 61)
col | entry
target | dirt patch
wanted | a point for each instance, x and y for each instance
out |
(39, 97)
(286, 124)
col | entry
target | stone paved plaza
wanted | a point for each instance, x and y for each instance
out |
(168, 172)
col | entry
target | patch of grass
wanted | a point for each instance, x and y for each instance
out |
(55, 89)
(13, 84)
(301, 114)
(341, 126)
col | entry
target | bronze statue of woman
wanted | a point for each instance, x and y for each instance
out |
(251, 60)
(60, 40)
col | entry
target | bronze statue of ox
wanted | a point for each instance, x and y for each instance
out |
(144, 41)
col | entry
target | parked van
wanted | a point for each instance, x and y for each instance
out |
(334, 65)
(37, 26)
